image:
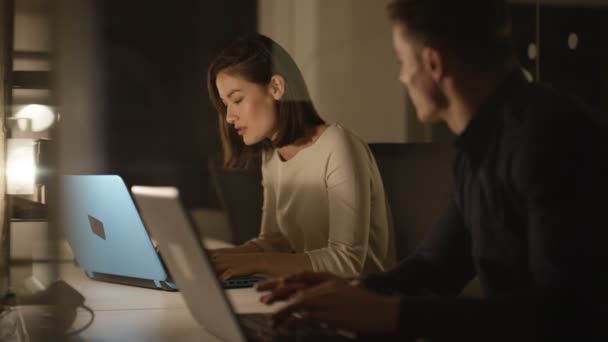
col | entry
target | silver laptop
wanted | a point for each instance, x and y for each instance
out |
(194, 275)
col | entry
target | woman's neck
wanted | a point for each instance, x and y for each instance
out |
(311, 135)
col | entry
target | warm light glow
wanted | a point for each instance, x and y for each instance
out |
(527, 75)
(20, 167)
(42, 116)
(573, 40)
(532, 51)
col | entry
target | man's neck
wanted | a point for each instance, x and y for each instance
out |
(467, 95)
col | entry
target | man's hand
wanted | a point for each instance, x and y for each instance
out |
(333, 300)
(283, 288)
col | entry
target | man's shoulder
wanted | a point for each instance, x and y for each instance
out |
(539, 106)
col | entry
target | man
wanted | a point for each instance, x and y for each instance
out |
(527, 213)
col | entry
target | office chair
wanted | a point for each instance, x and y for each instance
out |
(417, 182)
(240, 194)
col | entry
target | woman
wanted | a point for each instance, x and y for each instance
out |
(324, 203)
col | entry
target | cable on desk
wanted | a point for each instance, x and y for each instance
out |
(86, 326)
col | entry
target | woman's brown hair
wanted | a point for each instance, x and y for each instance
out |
(257, 58)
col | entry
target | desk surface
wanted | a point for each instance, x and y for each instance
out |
(127, 313)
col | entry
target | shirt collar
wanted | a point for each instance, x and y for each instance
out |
(479, 130)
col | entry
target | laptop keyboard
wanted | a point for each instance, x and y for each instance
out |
(258, 327)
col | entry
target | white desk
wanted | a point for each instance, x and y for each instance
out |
(127, 313)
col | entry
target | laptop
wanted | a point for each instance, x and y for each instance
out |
(194, 274)
(107, 236)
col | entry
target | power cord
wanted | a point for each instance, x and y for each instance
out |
(63, 301)
(87, 325)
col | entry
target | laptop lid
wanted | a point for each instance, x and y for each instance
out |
(106, 234)
(193, 272)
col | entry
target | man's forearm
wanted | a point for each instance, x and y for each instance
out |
(411, 277)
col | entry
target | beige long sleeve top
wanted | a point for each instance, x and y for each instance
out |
(328, 201)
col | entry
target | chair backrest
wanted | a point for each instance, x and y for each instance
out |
(417, 180)
(241, 196)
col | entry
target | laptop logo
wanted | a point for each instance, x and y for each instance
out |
(97, 227)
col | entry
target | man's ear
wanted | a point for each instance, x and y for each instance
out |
(277, 87)
(433, 61)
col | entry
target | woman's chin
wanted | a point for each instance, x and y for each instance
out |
(249, 141)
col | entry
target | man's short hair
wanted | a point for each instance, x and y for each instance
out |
(476, 31)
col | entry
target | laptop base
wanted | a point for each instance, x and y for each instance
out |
(131, 281)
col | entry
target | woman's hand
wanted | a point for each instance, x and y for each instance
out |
(230, 265)
(248, 247)
(234, 261)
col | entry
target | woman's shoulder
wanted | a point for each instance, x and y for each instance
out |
(347, 150)
(340, 136)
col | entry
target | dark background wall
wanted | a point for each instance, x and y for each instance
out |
(160, 126)
(582, 70)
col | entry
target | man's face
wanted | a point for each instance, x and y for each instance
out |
(415, 75)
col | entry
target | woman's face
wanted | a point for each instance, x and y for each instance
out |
(250, 107)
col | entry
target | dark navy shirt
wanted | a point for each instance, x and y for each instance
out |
(527, 215)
